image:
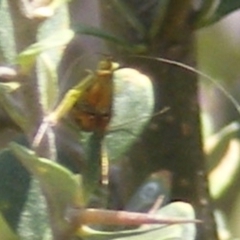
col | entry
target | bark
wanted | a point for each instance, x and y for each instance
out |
(172, 141)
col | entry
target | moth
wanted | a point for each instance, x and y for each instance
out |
(92, 111)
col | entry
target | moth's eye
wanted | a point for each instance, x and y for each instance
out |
(106, 115)
(91, 116)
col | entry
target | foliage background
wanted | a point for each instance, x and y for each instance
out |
(218, 56)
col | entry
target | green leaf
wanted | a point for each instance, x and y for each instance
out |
(229, 165)
(224, 8)
(27, 58)
(96, 32)
(5, 232)
(130, 16)
(53, 178)
(10, 105)
(14, 185)
(7, 44)
(157, 184)
(158, 17)
(49, 60)
(132, 109)
(61, 188)
(9, 86)
(48, 82)
(217, 144)
(29, 229)
(47, 9)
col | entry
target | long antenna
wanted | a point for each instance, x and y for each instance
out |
(200, 73)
